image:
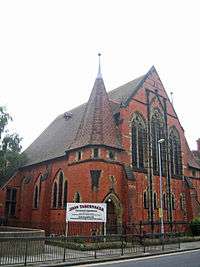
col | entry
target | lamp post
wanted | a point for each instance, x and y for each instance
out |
(160, 141)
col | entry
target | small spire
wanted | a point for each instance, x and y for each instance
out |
(171, 93)
(99, 70)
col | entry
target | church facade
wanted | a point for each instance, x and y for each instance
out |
(112, 149)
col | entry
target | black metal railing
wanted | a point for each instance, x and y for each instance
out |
(78, 248)
(81, 229)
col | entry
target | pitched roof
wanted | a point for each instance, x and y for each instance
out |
(192, 161)
(97, 125)
(59, 135)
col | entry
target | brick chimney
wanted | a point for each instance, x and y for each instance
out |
(198, 145)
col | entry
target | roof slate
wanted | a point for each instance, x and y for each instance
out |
(59, 135)
(97, 125)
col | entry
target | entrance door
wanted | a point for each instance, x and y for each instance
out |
(111, 217)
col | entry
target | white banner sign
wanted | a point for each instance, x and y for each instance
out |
(86, 212)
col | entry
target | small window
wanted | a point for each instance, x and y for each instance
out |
(117, 118)
(181, 202)
(65, 194)
(112, 181)
(173, 202)
(145, 200)
(193, 173)
(60, 190)
(36, 198)
(155, 200)
(55, 191)
(164, 202)
(111, 154)
(10, 206)
(95, 176)
(95, 152)
(77, 197)
(79, 155)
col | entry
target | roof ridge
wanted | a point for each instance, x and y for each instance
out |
(59, 134)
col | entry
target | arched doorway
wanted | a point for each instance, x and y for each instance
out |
(114, 214)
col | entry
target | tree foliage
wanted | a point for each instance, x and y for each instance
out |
(10, 147)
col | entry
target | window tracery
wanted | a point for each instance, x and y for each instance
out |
(138, 141)
(36, 193)
(59, 191)
(175, 153)
(158, 132)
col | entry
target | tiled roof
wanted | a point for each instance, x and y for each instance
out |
(189, 182)
(59, 135)
(97, 125)
(196, 154)
(129, 172)
(192, 161)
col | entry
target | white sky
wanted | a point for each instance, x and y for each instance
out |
(48, 55)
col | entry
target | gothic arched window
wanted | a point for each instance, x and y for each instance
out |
(164, 201)
(60, 190)
(138, 141)
(65, 194)
(36, 198)
(145, 200)
(155, 200)
(173, 201)
(36, 193)
(77, 197)
(181, 201)
(158, 132)
(55, 191)
(175, 152)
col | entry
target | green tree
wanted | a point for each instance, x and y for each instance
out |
(10, 157)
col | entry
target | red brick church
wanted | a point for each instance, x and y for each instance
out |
(107, 151)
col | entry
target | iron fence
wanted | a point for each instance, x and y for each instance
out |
(81, 229)
(25, 251)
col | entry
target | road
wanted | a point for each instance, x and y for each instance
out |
(181, 259)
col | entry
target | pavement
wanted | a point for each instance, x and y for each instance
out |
(53, 256)
(156, 250)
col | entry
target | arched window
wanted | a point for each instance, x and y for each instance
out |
(145, 200)
(36, 193)
(77, 197)
(36, 198)
(181, 202)
(164, 201)
(138, 141)
(65, 194)
(155, 200)
(55, 192)
(60, 190)
(175, 152)
(158, 132)
(173, 201)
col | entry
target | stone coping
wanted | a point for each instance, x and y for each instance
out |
(7, 231)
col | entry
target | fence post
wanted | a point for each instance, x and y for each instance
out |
(95, 247)
(140, 228)
(64, 255)
(179, 242)
(122, 245)
(144, 247)
(26, 252)
(162, 240)
(0, 251)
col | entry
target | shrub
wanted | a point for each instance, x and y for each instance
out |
(195, 226)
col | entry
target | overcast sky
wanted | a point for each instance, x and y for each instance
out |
(48, 55)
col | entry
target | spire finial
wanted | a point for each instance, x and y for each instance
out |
(99, 70)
